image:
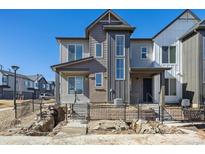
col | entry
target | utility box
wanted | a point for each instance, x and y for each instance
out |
(185, 103)
(118, 101)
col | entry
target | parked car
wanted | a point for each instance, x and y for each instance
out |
(45, 96)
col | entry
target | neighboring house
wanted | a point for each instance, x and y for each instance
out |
(40, 84)
(193, 63)
(107, 63)
(51, 88)
(24, 85)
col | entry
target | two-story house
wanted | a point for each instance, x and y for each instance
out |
(108, 63)
(24, 85)
(40, 84)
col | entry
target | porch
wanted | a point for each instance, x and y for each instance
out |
(142, 85)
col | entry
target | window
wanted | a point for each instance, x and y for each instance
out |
(143, 53)
(75, 83)
(98, 50)
(47, 87)
(36, 85)
(99, 79)
(120, 45)
(120, 57)
(75, 52)
(169, 54)
(4, 80)
(120, 71)
(170, 87)
(44, 85)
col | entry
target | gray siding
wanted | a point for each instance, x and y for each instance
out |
(191, 68)
(135, 53)
(121, 87)
(201, 65)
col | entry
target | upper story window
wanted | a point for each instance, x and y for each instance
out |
(170, 87)
(99, 79)
(120, 45)
(4, 80)
(169, 54)
(75, 83)
(120, 57)
(120, 68)
(98, 50)
(144, 52)
(44, 85)
(75, 52)
(36, 85)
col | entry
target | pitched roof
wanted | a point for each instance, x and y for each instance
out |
(4, 72)
(103, 15)
(198, 26)
(187, 10)
(57, 66)
(36, 77)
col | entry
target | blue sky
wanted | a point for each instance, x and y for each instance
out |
(27, 37)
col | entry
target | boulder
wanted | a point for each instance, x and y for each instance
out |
(117, 125)
(153, 127)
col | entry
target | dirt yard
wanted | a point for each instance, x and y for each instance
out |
(73, 132)
(10, 103)
(145, 139)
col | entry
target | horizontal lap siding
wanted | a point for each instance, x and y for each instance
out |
(98, 35)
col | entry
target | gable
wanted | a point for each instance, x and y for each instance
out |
(177, 28)
(109, 18)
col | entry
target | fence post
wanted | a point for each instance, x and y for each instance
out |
(33, 104)
(66, 107)
(159, 113)
(41, 108)
(162, 114)
(88, 112)
(204, 112)
(138, 111)
(125, 113)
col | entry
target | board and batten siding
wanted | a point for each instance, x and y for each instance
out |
(121, 87)
(190, 60)
(201, 62)
(170, 37)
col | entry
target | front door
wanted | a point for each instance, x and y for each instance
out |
(147, 89)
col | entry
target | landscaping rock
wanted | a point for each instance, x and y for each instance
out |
(117, 125)
(153, 127)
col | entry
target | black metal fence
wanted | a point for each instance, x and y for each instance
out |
(30, 106)
(130, 112)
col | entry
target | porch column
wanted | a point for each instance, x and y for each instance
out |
(162, 98)
(57, 88)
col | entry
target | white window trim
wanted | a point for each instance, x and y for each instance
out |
(116, 68)
(116, 46)
(142, 52)
(119, 57)
(75, 44)
(169, 55)
(75, 85)
(101, 50)
(101, 79)
(170, 86)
